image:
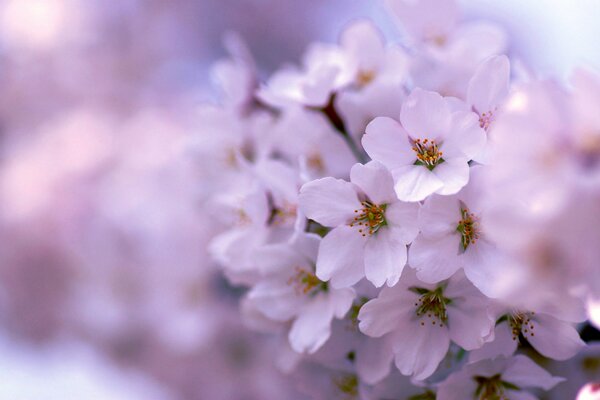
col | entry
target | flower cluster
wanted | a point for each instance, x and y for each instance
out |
(418, 220)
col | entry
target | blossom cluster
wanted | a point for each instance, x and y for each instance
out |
(413, 220)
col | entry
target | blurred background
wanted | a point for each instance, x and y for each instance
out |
(106, 288)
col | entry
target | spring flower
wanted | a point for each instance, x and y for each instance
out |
(488, 88)
(371, 227)
(550, 336)
(429, 153)
(452, 237)
(501, 379)
(290, 291)
(422, 318)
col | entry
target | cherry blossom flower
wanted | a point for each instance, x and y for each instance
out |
(501, 378)
(429, 153)
(371, 227)
(453, 236)
(550, 336)
(290, 290)
(423, 318)
(488, 88)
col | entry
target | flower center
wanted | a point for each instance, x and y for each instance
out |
(587, 150)
(468, 227)
(364, 77)
(347, 384)
(428, 395)
(354, 310)
(428, 153)
(432, 304)
(492, 388)
(306, 282)
(521, 323)
(315, 161)
(370, 219)
(281, 215)
(486, 119)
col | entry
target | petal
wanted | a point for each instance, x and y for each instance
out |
(375, 181)
(363, 41)
(341, 257)
(489, 86)
(312, 328)
(466, 138)
(483, 268)
(415, 182)
(385, 258)
(277, 257)
(426, 19)
(519, 395)
(419, 349)
(329, 201)
(457, 387)
(554, 338)
(374, 359)
(440, 215)
(468, 319)
(503, 345)
(276, 299)
(435, 258)
(523, 372)
(384, 313)
(403, 219)
(341, 301)
(387, 142)
(454, 174)
(425, 115)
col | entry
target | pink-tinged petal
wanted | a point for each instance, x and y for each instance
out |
(306, 244)
(336, 156)
(341, 301)
(387, 142)
(277, 258)
(523, 372)
(503, 345)
(341, 257)
(554, 338)
(454, 174)
(520, 395)
(403, 220)
(385, 258)
(415, 182)
(312, 328)
(276, 299)
(425, 115)
(426, 19)
(383, 314)
(489, 86)
(466, 138)
(329, 201)
(457, 386)
(440, 215)
(375, 181)
(473, 42)
(483, 267)
(419, 349)
(435, 258)
(374, 359)
(469, 321)
(365, 44)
